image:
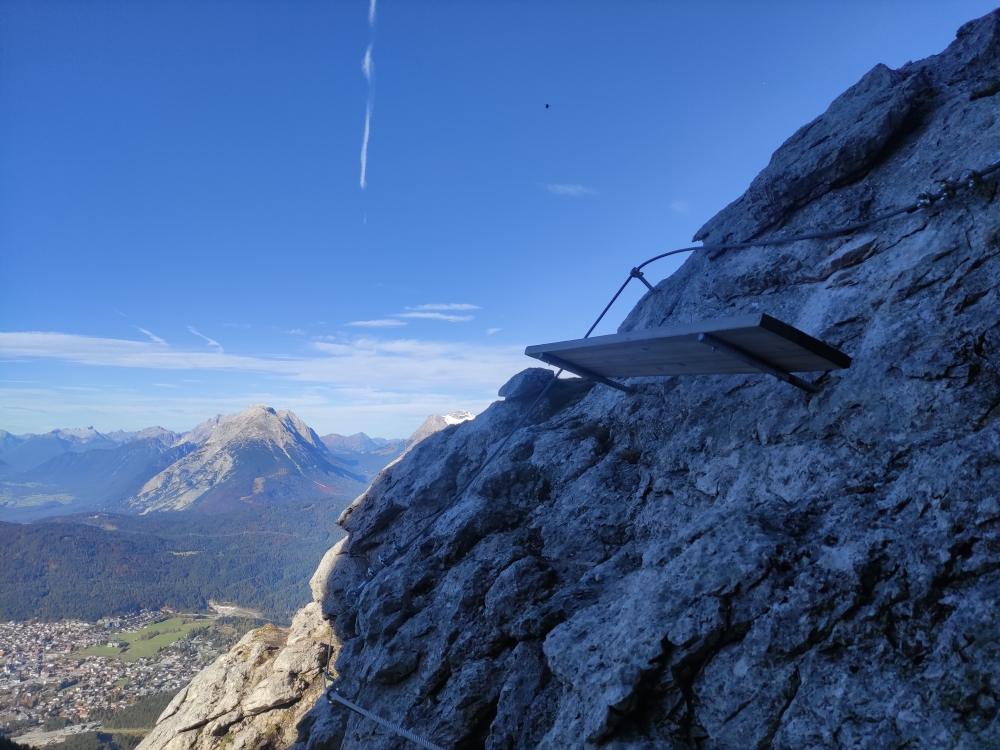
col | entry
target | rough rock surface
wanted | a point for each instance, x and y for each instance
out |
(253, 696)
(726, 562)
(723, 562)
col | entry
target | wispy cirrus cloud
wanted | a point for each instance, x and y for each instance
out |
(491, 331)
(364, 362)
(379, 323)
(436, 316)
(681, 207)
(445, 306)
(210, 342)
(156, 339)
(574, 191)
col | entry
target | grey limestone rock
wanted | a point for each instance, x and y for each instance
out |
(726, 562)
(527, 384)
(835, 149)
(253, 696)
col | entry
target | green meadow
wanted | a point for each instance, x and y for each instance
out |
(150, 639)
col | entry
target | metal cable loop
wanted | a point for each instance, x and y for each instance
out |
(949, 189)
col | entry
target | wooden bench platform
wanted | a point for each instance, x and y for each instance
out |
(737, 345)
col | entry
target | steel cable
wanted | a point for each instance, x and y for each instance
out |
(333, 696)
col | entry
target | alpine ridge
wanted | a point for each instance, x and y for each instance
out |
(259, 455)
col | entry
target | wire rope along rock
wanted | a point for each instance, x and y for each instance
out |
(947, 190)
(334, 697)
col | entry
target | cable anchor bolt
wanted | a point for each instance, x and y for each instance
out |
(948, 189)
(635, 273)
(971, 179)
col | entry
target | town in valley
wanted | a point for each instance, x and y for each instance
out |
(73, 672)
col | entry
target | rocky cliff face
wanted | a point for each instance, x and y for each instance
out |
(726, 562)
(253, 696)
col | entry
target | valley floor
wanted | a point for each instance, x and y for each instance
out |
(75, 672)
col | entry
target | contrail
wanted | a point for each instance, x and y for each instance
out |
(368, 68)
(364, 144)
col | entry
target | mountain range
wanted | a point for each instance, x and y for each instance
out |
(258, 456)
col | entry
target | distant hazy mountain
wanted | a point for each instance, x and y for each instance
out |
(84, 438)
(8, 441)
(28, 451)
(121, 436)
(365, 455)
(257, 456)
(33, 450)
(359, 442)
(6, 470)
(109, 476)
(203, 431)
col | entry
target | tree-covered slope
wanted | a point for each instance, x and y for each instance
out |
(259, 557)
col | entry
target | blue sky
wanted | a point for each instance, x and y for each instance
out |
(183, 230)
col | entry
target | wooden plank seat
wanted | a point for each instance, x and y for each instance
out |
(741, 344)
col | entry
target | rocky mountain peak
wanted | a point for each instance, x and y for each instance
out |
(262, 423)
(203, 431)
(359, 442)
(436, 423)
(257, 455)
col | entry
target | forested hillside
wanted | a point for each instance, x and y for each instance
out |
(89, 567)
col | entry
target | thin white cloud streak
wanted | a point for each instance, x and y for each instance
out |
(367, 65)
(210, 342)
(436, 316)
(491, 331)
(403, 365)
(380, 323)
(681, 207)
(364, 146)
(156, 339)
(368, 68)
(371, 13)
(574, 191)
(448, 306)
